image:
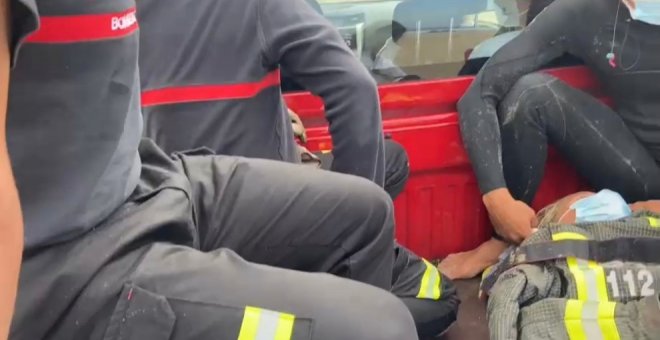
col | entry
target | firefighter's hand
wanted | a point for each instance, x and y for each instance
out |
(513, 220)
(298, 127)
(652, 206)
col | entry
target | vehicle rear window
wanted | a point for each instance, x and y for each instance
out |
(400, 40)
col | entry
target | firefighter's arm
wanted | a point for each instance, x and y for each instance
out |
(652, 206)
(11, 228)
(313, 53)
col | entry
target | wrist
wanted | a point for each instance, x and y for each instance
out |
(497, 197)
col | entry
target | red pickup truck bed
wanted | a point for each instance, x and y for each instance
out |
(440, 211)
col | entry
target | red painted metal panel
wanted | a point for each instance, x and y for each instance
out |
(440, 211)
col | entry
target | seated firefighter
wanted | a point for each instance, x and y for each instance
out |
(591, 270)
(122, 241)
(221, 90)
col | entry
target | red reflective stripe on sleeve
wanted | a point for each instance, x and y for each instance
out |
(201, 93)
(81, 28)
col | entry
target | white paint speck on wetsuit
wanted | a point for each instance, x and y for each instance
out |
(584, 28)
(73, 124)
(205, 70)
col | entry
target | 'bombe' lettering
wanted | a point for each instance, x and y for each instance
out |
(123, 22)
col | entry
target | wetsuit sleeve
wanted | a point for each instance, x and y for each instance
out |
(313, 53)
(24, 21)
(545, 39)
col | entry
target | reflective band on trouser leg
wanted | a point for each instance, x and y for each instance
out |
(263, 324)
(431, 283)
(589, 275)
(654, 222)
(590, 320)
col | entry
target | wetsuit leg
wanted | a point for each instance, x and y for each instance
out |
(541, 109)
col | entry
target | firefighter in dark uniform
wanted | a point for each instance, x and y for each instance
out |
(121, 241)
(220, 88)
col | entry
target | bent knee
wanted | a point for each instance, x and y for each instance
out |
(368, 201)
(385, 318)
(534, 79)
(529, 92)
(396, 321)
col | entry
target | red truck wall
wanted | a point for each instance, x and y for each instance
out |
(440, 211)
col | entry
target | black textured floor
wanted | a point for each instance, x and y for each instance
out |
(472, 323)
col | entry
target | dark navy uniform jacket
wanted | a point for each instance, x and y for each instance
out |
(210, 74)
(73, 123)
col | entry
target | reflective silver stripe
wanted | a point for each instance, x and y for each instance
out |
(434, 280)
(263, 324)
(431, 284)
(589, 279)
(590, 321)
(267, 325)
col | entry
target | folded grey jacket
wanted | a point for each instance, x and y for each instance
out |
(584, 281)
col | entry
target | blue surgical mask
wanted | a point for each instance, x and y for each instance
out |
(606, 205)
(647, 11)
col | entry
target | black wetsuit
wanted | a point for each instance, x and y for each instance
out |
(510, 113)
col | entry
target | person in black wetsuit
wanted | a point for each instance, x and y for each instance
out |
(510, 113)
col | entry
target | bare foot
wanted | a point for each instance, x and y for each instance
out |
(471, 263)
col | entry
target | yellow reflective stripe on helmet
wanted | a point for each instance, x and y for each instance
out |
(590, 320)
(430, 287)
(263, 324)
(654, 222)
(568, 236)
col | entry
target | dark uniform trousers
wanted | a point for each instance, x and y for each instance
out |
(193, 254)
(432, 316)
